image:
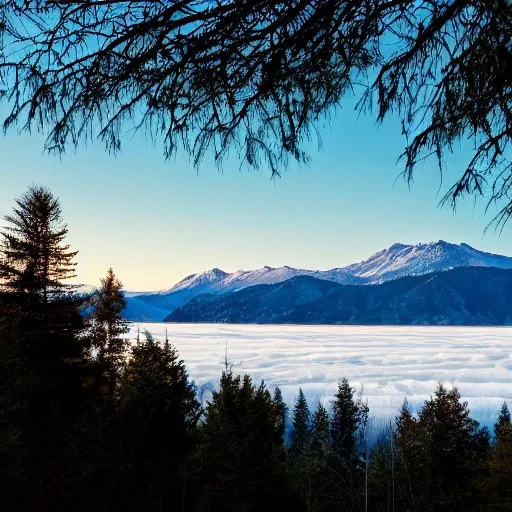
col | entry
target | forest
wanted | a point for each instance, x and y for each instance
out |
(91, 421)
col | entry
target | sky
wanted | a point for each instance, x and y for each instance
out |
(156, 221)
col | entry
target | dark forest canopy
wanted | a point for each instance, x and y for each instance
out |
(257, 77)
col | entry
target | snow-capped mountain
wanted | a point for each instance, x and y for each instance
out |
(410, 260)
(399, 260)
(203, 281)
(461, 296)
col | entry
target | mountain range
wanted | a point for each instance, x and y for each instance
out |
(396, 262)
(461, 296)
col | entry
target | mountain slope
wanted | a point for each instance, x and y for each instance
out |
(462, 296)
(399, 260)
(406, 260)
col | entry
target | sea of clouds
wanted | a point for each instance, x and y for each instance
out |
(385, 364)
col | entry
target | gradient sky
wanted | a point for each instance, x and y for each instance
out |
(156, 221)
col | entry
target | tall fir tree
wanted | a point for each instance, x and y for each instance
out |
(381, 478)
(154, 429)
(300, 434)
(320, 432)
(344, 423)
(348, 419)
(107, 327)
(314, 479)
(282, 409)
(47, 343)
(408, 457)
(240, 461)
(496, 484)
(454, 450)
(35, 260)
(503, 421)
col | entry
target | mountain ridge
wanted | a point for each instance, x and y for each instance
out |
(460, 296)
(399, 260)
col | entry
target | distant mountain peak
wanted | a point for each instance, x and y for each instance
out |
(398, 260)
(396, 247)
(216, 272)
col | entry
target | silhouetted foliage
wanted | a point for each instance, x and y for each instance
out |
(259, 76)
(35, 261)
(300, 434)
(283, 408)
(320, 432)
(107, 327)
(382, 478)
(496, 484)
(348, 421)
(503, 422)
(345, 423)
(310, 472)
(441, 454)
(240, 463)
(47, 353)
(154, 428)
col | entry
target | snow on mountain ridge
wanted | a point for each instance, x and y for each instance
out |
(399, 260)
(396, 261)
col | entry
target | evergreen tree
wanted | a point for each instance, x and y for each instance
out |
(503, 422)
(320, 432)
(240, 462)
(282, 410)
(35, 260)
(404, 420)
(154, 429)
(454, 449)
(382, 481)
(48, 352)
(496, 484)
(107, 328)
(408, 456)
(310, 475)
(344, 423)
(348, 420)
(315, 478)
(299, 438)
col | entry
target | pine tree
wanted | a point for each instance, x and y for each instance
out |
(496, 483)
(282, 410)
(154, 429)
(107, 329)
(309, 456)
(46, 343)
(381, 474)
(35, 259)
(344, 423)
(454, 448)
(299, 437)
(503, 422)
(404, 420)
(240, 463)
(408, 456)
(348, 420)
(320, 431)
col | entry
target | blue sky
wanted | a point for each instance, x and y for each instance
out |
(156, 221)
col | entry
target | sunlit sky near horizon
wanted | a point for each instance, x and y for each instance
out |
(156, 221)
